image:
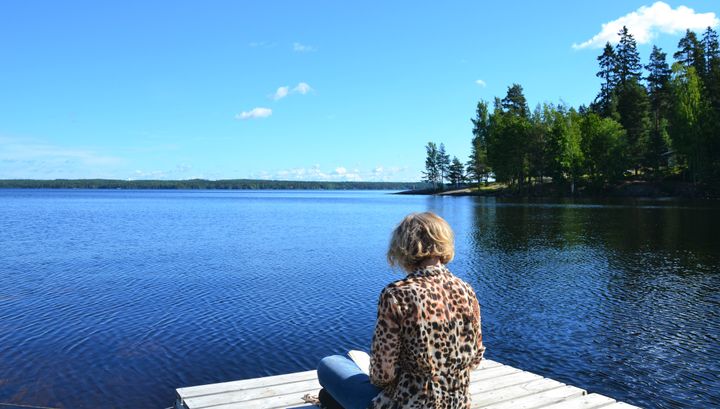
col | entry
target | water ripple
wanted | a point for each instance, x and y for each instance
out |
(128, 295)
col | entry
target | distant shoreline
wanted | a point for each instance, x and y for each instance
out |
(203, 184)
(629, 189)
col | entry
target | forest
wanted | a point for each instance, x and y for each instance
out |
(203, 184)
(652, 122)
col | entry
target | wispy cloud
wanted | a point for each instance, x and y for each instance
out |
(261, 44)
(481, 83)
(647, 22)
(254, 113)
(24, 150)
(339, 173)
(303, 48)
(301, 88)
(281, 93)
(180, 171)
(32, 158)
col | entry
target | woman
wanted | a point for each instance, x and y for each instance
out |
(427, 335)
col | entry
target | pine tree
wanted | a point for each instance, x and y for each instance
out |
(628, 59)
(633, 108)
(659, 95)
(515, 102)
(690, 53)
(477, 164)
(711, 50)
(432, 169)
(443, 162)
(608, 73)
(507, 138)
(457, 172)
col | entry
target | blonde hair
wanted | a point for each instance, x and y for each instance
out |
(418, 237)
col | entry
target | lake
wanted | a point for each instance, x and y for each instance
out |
(115, 298)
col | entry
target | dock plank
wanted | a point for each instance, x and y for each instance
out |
(590, 401)
(278, 401)
(251, 394)
(621, 405)
(493, 385)
(213, 388)
(509, 393)
(502, 382)
(537, 400)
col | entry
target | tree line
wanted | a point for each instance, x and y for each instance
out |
(651, 122)
(202, 184)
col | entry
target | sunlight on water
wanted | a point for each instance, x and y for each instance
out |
(127, 295)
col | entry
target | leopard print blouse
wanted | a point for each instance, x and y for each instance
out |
(427, 338)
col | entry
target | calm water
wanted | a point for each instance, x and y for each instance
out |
(115, 298)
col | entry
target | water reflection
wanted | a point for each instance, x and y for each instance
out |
(619, 299)
(128, 295)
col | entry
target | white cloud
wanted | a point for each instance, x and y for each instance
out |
(254, 113)
(261, 44)
(180, 171)
(339, 174)
(302, 88)
(645, 24)
(302, 48)
(281, 93)
(481, 83)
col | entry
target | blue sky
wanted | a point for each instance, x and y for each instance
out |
(319, 90)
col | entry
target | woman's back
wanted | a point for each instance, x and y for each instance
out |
(426, 339)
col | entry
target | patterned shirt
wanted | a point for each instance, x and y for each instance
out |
(427, 338)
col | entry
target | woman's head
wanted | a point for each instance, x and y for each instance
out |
(419, 237)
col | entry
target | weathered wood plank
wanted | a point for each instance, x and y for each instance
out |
(538, 400)
(278, 401)
(488, 363)
(501, 382)
(492, 385)
(621, 405)
(213, 388)
(513, 392)
(590, 401)
(482, 374)
(251, 394)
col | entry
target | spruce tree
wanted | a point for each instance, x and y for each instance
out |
(690, 53)
(658, 80)
(443, 163)
(711, 50)
(477, 164)
(608, 73)
(456, 173)
(432, 171)
(633, 109)
(628, 59)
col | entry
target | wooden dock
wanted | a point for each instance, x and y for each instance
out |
(493, 385)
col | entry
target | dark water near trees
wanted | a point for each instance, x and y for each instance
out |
(115, 298)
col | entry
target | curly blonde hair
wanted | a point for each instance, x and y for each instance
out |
(418, 237)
